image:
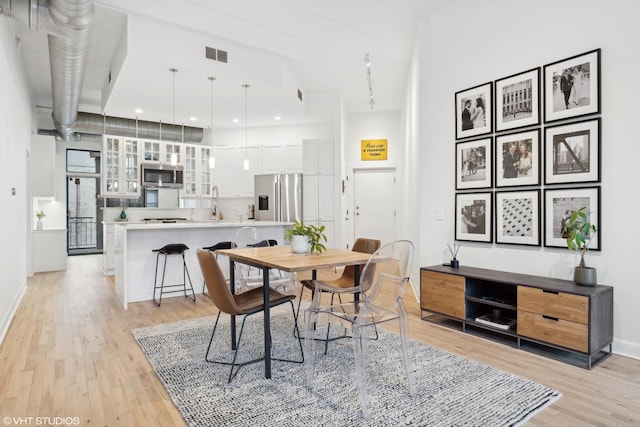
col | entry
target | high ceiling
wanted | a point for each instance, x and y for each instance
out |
(276, 46)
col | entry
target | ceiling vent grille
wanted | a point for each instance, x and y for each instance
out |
(215, 54)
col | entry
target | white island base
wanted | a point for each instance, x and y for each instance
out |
(135, 263)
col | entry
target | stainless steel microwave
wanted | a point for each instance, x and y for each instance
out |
(162, 176)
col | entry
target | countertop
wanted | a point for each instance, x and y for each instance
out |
(141, 225)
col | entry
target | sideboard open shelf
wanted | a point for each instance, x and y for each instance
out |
(552, 317)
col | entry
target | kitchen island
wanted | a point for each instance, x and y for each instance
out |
(135, 263)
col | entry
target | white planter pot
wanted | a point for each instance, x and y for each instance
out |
(300, 244)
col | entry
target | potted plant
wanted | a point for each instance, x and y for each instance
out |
(305, 238)
(579, 231)
(39, 215)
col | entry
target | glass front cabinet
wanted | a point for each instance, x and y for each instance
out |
(121, 167)
(197, 173)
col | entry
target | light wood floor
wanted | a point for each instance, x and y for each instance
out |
(69, 353)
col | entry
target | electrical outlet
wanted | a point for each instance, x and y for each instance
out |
(13, 191)
(439, 214)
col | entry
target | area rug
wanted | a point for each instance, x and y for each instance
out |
(451, 390)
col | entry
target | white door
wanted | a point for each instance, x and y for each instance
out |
(374, 207)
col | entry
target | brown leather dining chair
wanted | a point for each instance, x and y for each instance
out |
(244, 304)
(346, 280)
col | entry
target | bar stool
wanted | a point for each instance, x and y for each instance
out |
(166, 250)
(214, 248)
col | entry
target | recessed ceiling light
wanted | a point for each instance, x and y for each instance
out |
(236, 121)
(138, 111)
(277, 117)
(193, 119)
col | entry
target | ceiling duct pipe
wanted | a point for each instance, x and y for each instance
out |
(96, 124)
(67, 24)
(68, 55)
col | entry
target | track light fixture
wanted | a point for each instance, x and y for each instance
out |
(367, 62)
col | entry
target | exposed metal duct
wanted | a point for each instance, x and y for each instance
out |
(67, 24)
(68, 56)
(96, 124)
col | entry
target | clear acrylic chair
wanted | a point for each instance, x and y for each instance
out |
(388, 267)
(248, 277)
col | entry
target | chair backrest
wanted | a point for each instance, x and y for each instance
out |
(250, 236)
(391, 263)
(216, 283)
(366, 246)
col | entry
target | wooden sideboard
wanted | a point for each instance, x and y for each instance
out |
(552, 317)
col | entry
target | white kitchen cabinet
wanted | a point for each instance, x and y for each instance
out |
(229, 175)
(318, 198)
(318, 157)
(197, 173)
(108, 253)
(49, 250)
(282, 159)
(43, 162)
(121, 167)
(161, 152)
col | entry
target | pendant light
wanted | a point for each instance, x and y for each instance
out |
(245, 165)
(212, 159)
(174, 156)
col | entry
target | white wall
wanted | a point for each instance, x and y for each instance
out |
(370, 125)
(474, 42)
(15, 212)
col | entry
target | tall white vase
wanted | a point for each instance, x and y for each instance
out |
(39, 224)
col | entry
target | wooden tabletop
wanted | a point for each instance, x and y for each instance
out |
(282, 258)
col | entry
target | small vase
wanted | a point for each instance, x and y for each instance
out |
(39, 224)
(299, 244)
(123, 214)
(585, 276)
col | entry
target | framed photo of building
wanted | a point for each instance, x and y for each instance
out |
(518, 159)
(572, 87)
(517, 100)
(518, 217)
(473, 111)
(473, 217)
(558, 206)
(473, 164)
(572, 152)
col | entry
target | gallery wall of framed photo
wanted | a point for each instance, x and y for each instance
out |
(528, 153)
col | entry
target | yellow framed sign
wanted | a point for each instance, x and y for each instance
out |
(373, 149)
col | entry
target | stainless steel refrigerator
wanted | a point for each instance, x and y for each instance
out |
(278, 197)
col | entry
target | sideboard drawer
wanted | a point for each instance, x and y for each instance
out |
(554, 304)
(560, 332)
(442, 293)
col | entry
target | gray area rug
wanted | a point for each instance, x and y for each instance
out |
(451, 390)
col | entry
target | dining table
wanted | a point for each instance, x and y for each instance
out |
(284, 259)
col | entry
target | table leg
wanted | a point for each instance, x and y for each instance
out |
(267, 323)
(232, 285)
(356, 282)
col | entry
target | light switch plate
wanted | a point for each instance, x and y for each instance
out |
(439, 214)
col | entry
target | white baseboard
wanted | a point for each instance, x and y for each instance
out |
(11, 312)
(626, 348)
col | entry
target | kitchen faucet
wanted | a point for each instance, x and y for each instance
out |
(214, 203)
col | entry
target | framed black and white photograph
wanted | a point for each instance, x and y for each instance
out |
(572, 152)
(473, 111)
(572, 87)
(473, 217)
(518, 159)
(517, 100)
(558, 206)
(518, 217)
(473, 164)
